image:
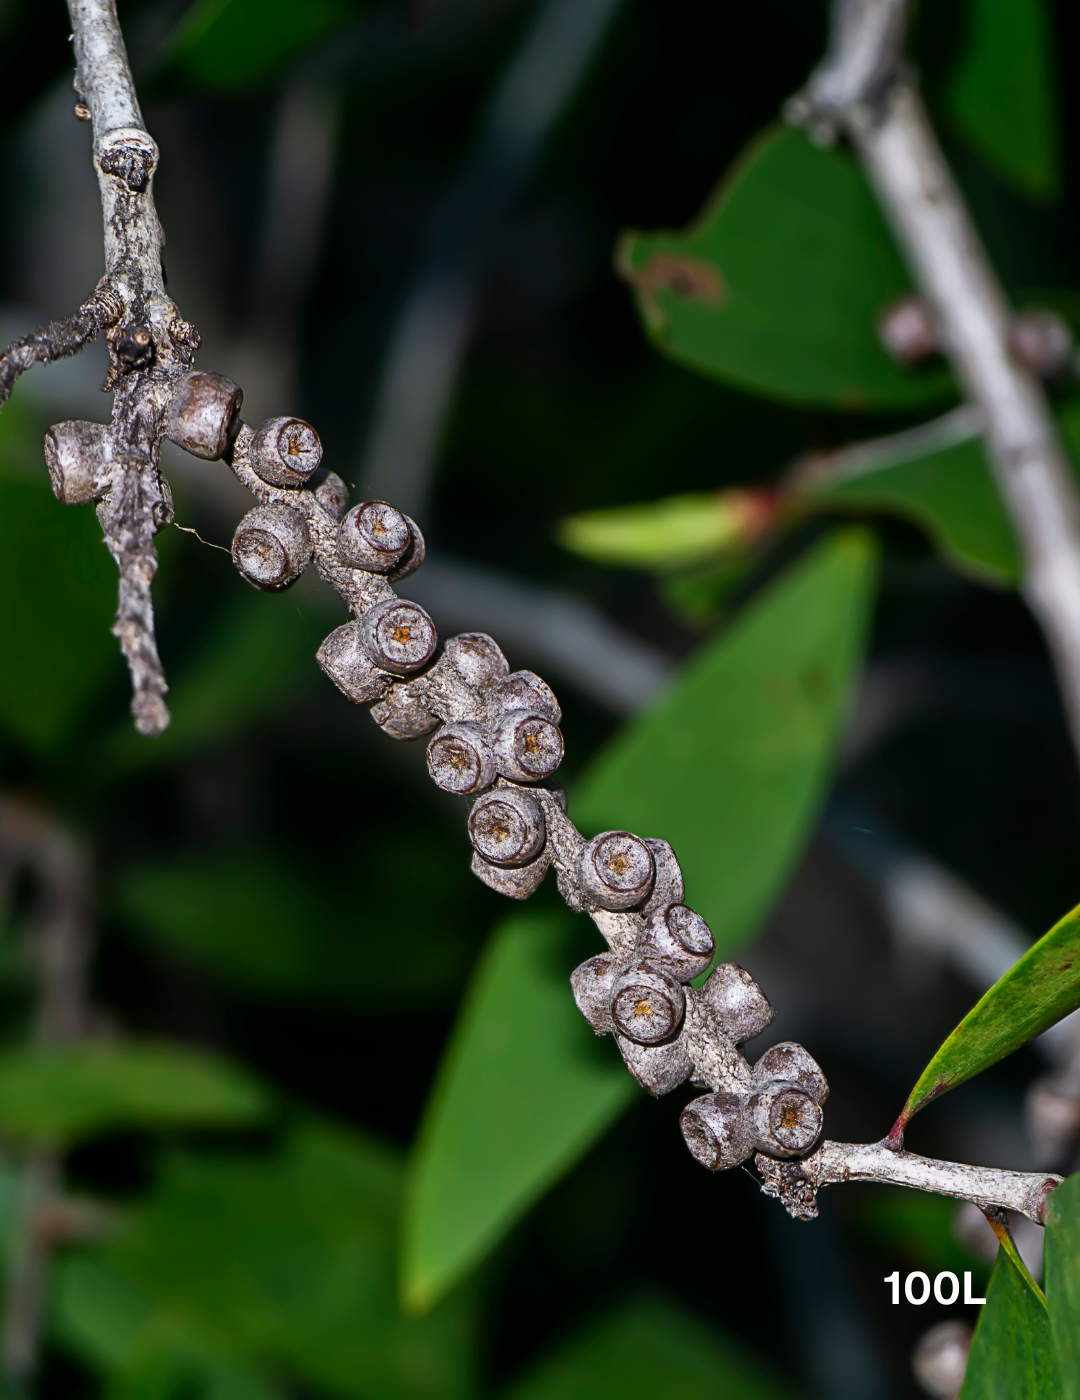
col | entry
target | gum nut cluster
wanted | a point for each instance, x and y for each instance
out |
(495, 738)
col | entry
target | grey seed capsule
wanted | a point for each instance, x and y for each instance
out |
(507, 827)
(79, 459)
(789, 1063)
(738, 1001)
(515, 883)
(285, 452)
(330, 492)
(616, 869)
(476, 658)
(527, 746)
(271, 547)
(668, 885)
(398, 635)
(524, 690)
(784, 1121)
(908, 331)
(202, 414)
(373, 536)
(348, 665)
(413, 557)
(1043, 342)
(679, 940)
(657, 1068)
(401, 715)
(459, 759)
(717, 1130)
(647, 1004)
(593, 983)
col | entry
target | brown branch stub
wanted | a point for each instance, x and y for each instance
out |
(796, 1184)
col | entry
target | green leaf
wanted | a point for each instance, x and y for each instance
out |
(1036, 993)
(288, 1262)
(236, 43)
(1063, 1281)
(1011, 1353)
(71, 1094)
(1003, 94)
(675, 533)
(60, 586)
(650, 1348)
(778, 285)
(255, 659)
(522, 1092)
(952, 495)
(275, 928)
(730, 766)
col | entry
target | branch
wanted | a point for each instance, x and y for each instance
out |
(60, 939)
(863, 90)
(796, 1184)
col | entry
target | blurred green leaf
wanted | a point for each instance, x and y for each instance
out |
(952, 495)
(289, 1262)
(1036, 993)
(1003, 94)
(236, 43)
(650, 1348)
(521, 1094)
(274, 926)
(1011, 1354)
(255, 659)
(915, 1228)
(778, 285)
(675, 533)
(1063, 1281)
(60, 586)
(730, 765)
(70, 1094)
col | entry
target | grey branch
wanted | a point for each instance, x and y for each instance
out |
(796, 1184)
(879, 109)
(60, 939)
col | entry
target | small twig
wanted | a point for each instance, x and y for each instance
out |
(871, 455)
(863, 90)
(796, 1184)
(60, 938)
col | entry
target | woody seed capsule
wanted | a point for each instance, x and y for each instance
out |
(330, 492)
(739, 1003)
(527, 746)
(592, 984)
(784, 1121)
(616, 869)
(285, 452)
(401, 715)
(524, 690)
(657, 1068)
(476, 658)
(373, 536)
(680, 940)
(717, 1130)
(460, 760)
(271, 547)
(348, 665)
(398, 635)
(507, 827)
(789, 1063)
(79, 458)
(908, 331)
(202, 414)
(648, 1004)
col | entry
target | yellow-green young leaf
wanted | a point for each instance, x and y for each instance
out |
(1003, 94)
(675, 533)
(778, 284)
(1034, 995)
(731, 764)
(1012, 1355)
(283, 1262)
(651, 1348)
(1063, 1282)
(67, 1095)
(951, 494)
(235, 43)
(523, 1091)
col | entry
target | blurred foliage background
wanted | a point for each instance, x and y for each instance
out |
(333, 1126)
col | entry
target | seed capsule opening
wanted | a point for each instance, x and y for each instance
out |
(285, 452)
(373, 536)
(527, 746)
(616, 869)
(648, 1006)
(507, 827)
(398, 635)
(459, 759)
(271, 547)
(716, 1130)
